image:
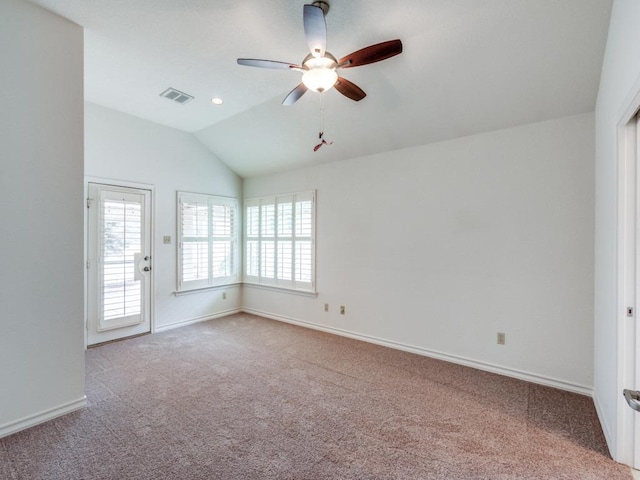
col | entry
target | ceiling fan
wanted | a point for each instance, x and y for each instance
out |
(319, 68)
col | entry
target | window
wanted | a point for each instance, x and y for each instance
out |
(207, 241)
(280, 241)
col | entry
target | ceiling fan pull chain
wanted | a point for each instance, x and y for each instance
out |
(321, 129)
(321, 133)
(321, 115)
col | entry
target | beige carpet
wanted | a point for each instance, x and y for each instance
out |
(248, 398)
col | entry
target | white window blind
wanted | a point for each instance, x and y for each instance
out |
(280, 241)
(121, 240)
(207, 241)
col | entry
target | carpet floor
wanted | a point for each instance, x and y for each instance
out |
(248, 398)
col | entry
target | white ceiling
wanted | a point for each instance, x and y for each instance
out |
(468, 66)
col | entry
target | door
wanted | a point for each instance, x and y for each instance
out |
(629, 344)
(632, 392)
(119, 262)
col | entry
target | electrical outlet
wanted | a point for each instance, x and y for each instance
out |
(501, 338)
(326, 307)
(166, 239)
(341, 309)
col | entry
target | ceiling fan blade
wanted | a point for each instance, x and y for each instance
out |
(371, 54)
(315, 30)
(293, 96)
(349, 89)
(253, 62)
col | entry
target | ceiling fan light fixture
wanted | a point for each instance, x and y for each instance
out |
(320, 79)
(319, 72)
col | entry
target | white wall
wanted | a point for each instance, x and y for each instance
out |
(126, 148)
(41, 214)
(440, 247)
(618, 85)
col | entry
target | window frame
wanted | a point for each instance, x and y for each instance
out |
(211, 280)
(299, 234)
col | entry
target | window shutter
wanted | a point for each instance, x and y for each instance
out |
(194, 241)
(252, 244)
(207, 241)
(304, 240)
(121, 240)
(280, 241)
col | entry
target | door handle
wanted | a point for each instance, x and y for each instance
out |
(632, 398)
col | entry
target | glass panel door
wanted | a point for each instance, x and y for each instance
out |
(119, 262)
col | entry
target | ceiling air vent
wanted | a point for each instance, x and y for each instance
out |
(176, 95)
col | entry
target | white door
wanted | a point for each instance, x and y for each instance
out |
(629, 345)
(119, 262)
(632, 392)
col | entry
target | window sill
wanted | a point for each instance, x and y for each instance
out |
(179, 293)
(304, 293)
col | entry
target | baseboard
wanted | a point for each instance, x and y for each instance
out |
(487, 367)
(191, 321)
(41, 417)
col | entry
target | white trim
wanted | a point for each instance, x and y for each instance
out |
(180, 293)
(118, 183)
(208, 200)
(41, 417)
(275, 200)
(152, 243)
(273, 288)
(621, 444)
(487, 367)
(191, 321)
(285, 194)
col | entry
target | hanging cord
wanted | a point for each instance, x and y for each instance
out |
(321, 132)
(321, 116)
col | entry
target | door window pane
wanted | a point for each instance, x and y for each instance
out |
(121, 240)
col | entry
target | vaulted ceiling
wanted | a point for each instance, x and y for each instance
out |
(468, 66)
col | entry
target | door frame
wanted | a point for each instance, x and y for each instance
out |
(628, 280)
(152, 208)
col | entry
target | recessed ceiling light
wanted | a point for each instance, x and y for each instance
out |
(216, 101)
